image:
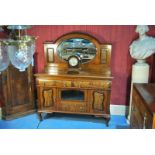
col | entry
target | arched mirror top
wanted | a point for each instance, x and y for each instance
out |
(88, 51)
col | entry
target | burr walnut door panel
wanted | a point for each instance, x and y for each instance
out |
(47, 98)
(99, 101)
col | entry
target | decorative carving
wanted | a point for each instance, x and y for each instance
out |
(50, 55)
(47, 97)
(67, 83)
(98, 101)
(77, 84)
(103, 55)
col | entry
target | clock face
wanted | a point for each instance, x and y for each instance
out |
(73, 61)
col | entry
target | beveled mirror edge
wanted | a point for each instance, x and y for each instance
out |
(83, 48)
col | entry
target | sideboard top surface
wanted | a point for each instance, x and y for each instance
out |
(102, 74)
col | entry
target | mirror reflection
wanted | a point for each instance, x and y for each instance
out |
(80, 47)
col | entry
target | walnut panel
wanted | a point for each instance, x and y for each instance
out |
(18, 83)
(103, 56)
(141, 114)
(47, 97)
(50, 55)
(73, 107)
(18, 92)
(77, 84)
(98, 103)
(137, 119)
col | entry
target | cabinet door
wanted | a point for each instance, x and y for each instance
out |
(136, 120)
(18, 92)
(47, 96)
(72, 100)
(101, 101)
(140, 116)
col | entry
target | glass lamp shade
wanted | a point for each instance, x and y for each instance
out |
(21, 53)
(4, 58)
(18, 27)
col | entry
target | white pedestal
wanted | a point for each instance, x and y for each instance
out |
(140, 74)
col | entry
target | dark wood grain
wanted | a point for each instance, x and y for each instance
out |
(143, 106)
(17, 90)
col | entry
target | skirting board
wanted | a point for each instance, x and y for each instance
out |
(114, 110)
(119, 110)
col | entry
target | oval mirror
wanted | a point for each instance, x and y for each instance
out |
(83, 48)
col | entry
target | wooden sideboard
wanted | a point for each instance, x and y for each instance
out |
(86, 91)
(143, 106)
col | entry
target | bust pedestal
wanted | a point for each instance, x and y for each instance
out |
(140, 74)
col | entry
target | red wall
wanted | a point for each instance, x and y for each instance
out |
(119, 36)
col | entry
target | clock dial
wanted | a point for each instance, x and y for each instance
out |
(73, 61)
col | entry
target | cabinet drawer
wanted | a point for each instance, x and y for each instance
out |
(76, 84)
(92, 84)
(73, 106)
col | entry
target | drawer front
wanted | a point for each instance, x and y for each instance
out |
(76, 107)
(99, 84)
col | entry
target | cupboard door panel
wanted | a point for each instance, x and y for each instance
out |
(100, 101)
(47, 97)
(142, 108)
(18, 92)
(19, 86)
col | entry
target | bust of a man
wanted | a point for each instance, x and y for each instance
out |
(144, 46)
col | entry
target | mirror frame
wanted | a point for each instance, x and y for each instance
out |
(54, 62)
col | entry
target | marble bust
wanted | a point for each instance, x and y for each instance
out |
(144, 46)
